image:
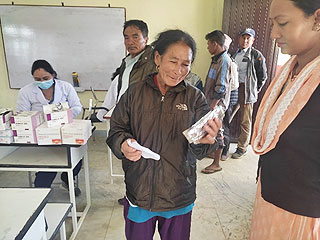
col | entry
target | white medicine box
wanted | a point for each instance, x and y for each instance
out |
(5, 114)
(77, 132)
(25, 136)
(57, 114)
(48, 135)
(6, 140)
(6, 136)
(5, 125)
(26, 120)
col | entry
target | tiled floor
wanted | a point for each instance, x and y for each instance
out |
(222, 210)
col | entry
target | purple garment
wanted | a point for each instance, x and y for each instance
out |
(175, 228)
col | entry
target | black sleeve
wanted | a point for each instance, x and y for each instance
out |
(261, 70)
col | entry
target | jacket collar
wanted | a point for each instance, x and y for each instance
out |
(248, 53)
(145, 52)
(179, 88)
(145, 55)
(215, 58)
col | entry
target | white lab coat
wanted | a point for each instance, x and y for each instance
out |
(31, 98)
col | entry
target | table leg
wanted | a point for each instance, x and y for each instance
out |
(30, 179)
(63, 231)
(86, 176)
(73, 201)
(109, 153)
(44, 236)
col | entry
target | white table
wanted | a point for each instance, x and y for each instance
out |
(22, 213)
(50, 158)
(56, 214)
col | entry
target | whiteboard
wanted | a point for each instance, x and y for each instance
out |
(86, 40)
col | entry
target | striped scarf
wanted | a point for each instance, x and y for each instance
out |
(278, 110)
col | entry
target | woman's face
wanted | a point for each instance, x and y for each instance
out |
(292, 29)
(41, 75)
(174, 64)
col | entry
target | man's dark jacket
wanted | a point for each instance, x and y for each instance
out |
(256, 74)
(143, 67)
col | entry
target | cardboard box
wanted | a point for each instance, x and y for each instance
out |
(57, 114)
(77, 132)
(26, 120)
(48, 135)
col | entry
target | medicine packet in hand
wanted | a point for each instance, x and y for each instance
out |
(196, 131)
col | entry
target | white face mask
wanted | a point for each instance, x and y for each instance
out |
(45, 84)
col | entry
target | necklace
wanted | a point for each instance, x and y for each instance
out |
(291, 78)
(293, 74)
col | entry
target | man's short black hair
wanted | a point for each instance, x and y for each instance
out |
(139, 24)
(216, 36)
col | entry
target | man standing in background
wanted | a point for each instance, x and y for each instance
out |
(217, 89)
(134, 67)
(252, 76)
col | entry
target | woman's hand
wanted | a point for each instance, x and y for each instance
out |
(211, 127)
(130, 153)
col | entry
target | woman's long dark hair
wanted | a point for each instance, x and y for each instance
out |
(44, 65)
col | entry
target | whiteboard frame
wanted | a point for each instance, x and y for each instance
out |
(104, 63)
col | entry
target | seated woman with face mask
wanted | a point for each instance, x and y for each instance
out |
(47, 89)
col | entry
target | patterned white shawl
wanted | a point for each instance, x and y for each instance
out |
(276, 112)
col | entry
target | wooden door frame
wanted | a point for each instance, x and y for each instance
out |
(237, 15)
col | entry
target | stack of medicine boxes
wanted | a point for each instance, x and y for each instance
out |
(6, 135)
(24, 126)
(56, 115)
(60, 128)
(54, 126)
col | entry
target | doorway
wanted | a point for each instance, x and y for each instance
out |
(240, 14)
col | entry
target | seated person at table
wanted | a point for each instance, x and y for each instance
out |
(47, 89)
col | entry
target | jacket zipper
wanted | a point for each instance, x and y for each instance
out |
(154, 166)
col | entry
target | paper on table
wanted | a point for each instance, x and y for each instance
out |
(146, 152)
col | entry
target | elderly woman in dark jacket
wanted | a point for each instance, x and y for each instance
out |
(155, 112)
